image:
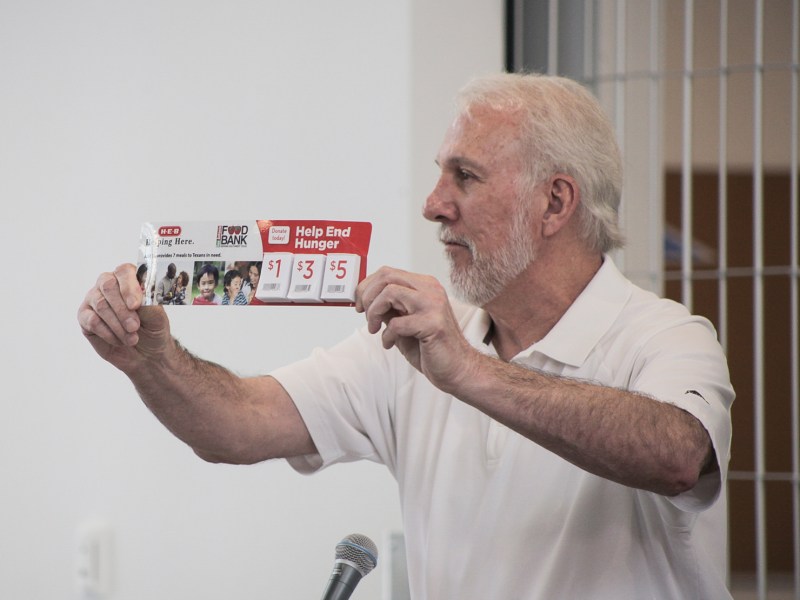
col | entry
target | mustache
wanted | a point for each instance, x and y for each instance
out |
(446, 236)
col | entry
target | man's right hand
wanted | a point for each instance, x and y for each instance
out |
(120, 329)
(223, 417)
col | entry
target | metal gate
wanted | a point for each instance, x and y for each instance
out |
(704, 96)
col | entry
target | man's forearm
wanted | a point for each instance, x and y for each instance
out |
(223, 417)
(188, 395)
(619, 435)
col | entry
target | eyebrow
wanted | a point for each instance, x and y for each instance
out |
(460, 161)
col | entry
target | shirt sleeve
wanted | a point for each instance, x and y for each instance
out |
(684, 366)
(344, 396)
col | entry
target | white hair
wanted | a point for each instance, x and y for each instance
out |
(563, 130)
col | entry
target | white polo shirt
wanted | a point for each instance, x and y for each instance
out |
(490, 515)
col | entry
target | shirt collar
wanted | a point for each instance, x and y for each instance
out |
(577, 332)
(476, 324)
(588, 318)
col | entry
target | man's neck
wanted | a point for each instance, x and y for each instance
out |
(531, 305)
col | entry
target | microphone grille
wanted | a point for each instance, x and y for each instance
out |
(359, 550)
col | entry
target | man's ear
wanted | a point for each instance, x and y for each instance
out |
(564, 196)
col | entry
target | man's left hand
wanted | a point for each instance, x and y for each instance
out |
(419, 321)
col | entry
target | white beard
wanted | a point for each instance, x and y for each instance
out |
(481, 281)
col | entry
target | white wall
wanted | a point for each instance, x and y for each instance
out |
(451, 42)
(117, 112)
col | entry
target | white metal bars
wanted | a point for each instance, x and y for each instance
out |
(794, 293)
(611, 42)
(758, 303)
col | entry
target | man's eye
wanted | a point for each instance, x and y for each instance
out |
(464, 175)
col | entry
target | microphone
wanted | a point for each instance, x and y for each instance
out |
(356, 555)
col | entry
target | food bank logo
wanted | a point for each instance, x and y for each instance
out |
(232, 236)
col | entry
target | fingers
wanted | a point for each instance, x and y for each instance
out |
(128, 286)
(389, 294)
(373, 287)
(374, 284)
(397, 329)
(109, 308)
(392, 302)
(417, 319)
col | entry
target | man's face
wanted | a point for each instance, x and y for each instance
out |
(486, 227)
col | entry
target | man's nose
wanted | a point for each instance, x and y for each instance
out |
(438, 206)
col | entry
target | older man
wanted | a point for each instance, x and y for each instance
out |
(557, 433)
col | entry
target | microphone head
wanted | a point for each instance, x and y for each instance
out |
(358, 550)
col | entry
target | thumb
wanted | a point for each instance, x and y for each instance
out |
(154, 330)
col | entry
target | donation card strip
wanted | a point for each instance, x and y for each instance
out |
(245, 263)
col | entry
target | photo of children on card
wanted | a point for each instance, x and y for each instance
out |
(225, 284)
